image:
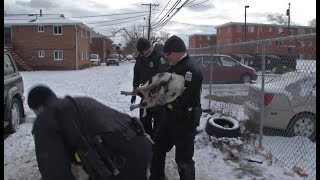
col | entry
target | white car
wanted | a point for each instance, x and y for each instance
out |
(95, 59)
(113, 59)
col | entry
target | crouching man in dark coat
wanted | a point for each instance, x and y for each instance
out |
(108, 144)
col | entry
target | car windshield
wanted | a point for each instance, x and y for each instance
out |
(93, 56)
(114, 56)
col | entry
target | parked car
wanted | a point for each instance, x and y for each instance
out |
(113, 59)
(224, 69)
(289, 104)
(13, 94)
(245, 59)
(95, 59)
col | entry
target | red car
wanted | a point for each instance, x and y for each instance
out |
(224, 69)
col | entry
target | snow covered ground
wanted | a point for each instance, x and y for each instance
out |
(104, 84)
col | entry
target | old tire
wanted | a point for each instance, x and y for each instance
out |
(303, 124)
(222, 127)
(15, 115)
(246, 78)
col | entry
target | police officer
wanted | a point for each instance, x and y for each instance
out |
(182, 116)
(108, 144)
(149, 63)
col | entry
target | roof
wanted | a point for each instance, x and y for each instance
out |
(192, 35)
(36, 19)
(98, 35)
(260, 24)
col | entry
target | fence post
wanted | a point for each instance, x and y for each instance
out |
(262, 91)
(210, 85)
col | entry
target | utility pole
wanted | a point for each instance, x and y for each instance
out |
(288, 14)
(149, 24)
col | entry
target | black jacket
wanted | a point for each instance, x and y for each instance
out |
(147, 67)
(193, 83)
(57, 139)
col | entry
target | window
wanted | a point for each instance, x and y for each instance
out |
(269, 29)
(310, 31)
(229, 29)
(41, 53)
(290, 32)
(301, 56)
(86, 34)
(81, 32)
(208, 38)
(279, 43)
(87, 55)
(58, 54)
(82, 55)
(8, 65)
(228, 62)
(238, 28)
(279, 30)
(57, 30)
(250, 28)
(238, 40)
(40, 28)
(310, 43)
(260, 28)
(301, 44)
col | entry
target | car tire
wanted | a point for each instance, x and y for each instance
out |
(303, 124)
(15, 115)
(118, 64)
(246, 78)
(216, 126)
(107, 64)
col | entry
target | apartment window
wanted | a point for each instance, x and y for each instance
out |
(200, 38)
(58, 54)
(40, 28)
(86, 34)
(208, 38)
(87, 55)
(310, 43)
(279, 30)
(251, 29)
(238, 40)
(238, 28)
(279, 43)
(82, 55)
(41, 53)
(290, 32)
(57, 30)
(260, 28)
(269, 29)
(229, 29)
(81, 32)
(301, 44)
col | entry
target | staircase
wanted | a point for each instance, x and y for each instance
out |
(18, 59)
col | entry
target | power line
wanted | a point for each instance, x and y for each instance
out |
(196, 4)
(117, 23)
(109, 14)
(167, 14)
(161, 11)
(97, 22)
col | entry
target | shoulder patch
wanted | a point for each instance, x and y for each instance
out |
(188, 76)
(162, 60)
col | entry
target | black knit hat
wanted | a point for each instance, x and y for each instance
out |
(143, 44)
(39, 96)
(174, 44)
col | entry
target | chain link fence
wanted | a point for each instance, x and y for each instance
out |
(273, 83)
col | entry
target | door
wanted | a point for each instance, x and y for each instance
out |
(231, 69)
(214, 64)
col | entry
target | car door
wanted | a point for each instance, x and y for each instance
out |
(210, 63)
(231, 70)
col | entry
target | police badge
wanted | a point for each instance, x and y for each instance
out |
(151, 64)
(162, 61)
(188, 76)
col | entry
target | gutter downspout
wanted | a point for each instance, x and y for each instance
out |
(76, 47)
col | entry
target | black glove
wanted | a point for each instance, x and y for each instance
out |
(133, 99)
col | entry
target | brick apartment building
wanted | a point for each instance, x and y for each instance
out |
(233, 32)
(101, 45)
(48, 41)
(202, 40)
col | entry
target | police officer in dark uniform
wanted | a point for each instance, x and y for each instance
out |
(149, 63)
(109, 145)
(182, 116)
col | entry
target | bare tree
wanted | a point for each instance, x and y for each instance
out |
(277, 18)
(312, 22)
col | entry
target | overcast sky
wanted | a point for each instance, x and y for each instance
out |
(200, 17)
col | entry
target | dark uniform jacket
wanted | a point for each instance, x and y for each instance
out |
(147, 67)
(56, 138)
(193, 83)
